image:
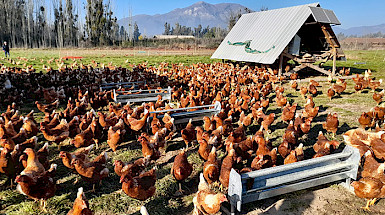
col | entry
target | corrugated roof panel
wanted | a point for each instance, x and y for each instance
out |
(332, 17)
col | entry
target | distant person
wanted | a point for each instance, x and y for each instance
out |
(6, 49)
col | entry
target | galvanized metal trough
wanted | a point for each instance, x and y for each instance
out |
(142, 95)
(274, 181)
(182, 115)
(108, 86)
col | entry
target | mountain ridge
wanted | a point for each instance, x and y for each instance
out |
(214, 15)
(360, 30)
(206, 14)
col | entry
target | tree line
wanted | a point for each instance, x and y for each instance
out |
(199, 31)
(207, 32)
(59, 23)
(81, 23)
(342, 36)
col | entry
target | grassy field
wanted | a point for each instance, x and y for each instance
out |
(108, 199)
(120, 57)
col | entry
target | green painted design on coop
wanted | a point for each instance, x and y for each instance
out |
(247, 47)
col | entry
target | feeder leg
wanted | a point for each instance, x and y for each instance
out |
(232, 209)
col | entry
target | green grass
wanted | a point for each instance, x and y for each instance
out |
(373, 59)
(107, 199)
(122, 57)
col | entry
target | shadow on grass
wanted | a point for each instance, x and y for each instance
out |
(322, 108)
(319, 92)
(252, 129)
(274, 139)
(308, 72)
(366, 91)
(276, 111)
(320, 117)
(353, 70)
(313, 134)
(175, 145)
(279, 125)
(290, 95)
(130, 145)
(344, 128)
(347, 93)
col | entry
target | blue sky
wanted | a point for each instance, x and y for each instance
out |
(351, 13)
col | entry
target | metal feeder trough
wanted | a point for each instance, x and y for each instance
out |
(274, 181)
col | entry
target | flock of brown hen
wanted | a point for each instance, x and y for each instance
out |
(90, 119)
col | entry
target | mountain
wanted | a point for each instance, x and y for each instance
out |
(213, 15)
(362, 30)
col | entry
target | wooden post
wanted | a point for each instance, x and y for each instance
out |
(280, 65)
(334, 61)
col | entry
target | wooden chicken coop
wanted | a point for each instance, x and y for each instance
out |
(301, 33)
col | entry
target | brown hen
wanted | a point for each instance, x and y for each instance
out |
(181, 168)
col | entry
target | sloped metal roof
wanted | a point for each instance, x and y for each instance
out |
(269, 32)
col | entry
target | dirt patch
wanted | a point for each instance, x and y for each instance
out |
(356, 108)
(352, 57)
(328, 200)
(349, 112)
